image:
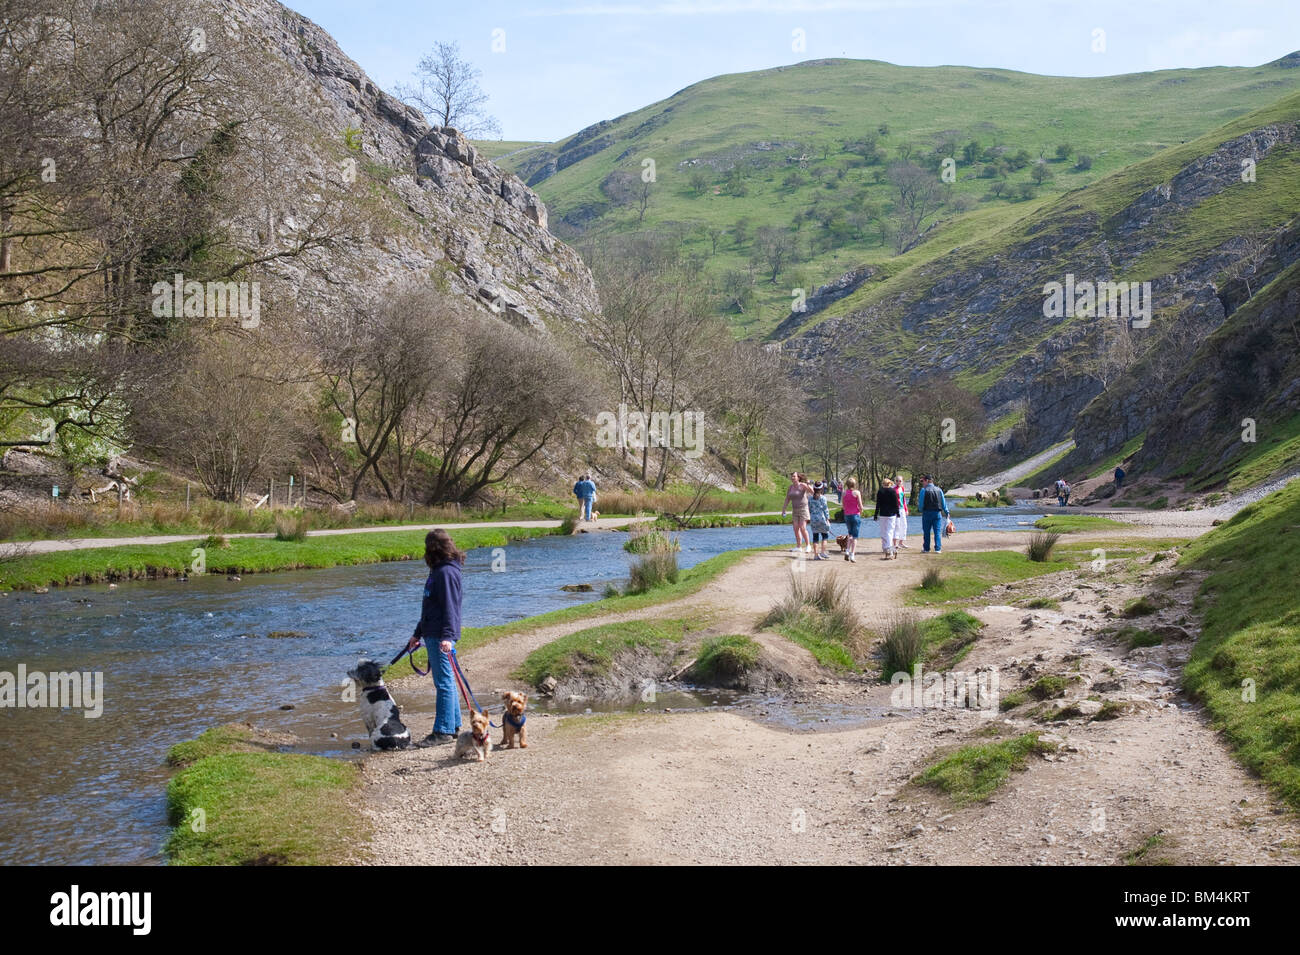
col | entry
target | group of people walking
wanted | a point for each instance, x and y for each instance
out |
(810, 512)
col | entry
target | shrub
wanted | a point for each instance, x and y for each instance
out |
(642, 538)
(654, 568)
(569, 525)
(901, 649)
(291, 527)
(1041, 544)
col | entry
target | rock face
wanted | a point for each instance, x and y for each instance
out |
(984, 313)
(447, 213)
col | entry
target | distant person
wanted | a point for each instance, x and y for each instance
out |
(852, 518)
(900, 522)
(439, 628)
(886, 512)
(933, 506)
(1065, 493)
(819, 521)
(796, 500)
(1060, 492)
(1119, 478)
(585, 492)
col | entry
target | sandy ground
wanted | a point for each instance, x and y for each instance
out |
(765, 782)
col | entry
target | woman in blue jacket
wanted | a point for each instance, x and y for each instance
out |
(439, 628)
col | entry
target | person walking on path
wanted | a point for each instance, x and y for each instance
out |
(796, 500)
(852, 518)
(820, 521)
(439, 628)
(1119, 478)
(933, 507)
(900, 523)
(886, 513)
(585, 492)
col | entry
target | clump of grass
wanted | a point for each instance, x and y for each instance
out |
(1043, 603)
(1140, 638)
(817, 613)
(1142, 606)
(902, 645)
(973, 773)
(611, 591)
(569, 525)
(949, 637)
(1148, 853)
(216, 542)
(292, 527)
(1049, 686)
(932, 579)
(1011, 700)
(654, 568)
(641, 539)
(1110, 710)
(726, 659)
(1040, 546)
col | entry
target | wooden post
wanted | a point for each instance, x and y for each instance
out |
(187, 497)
(270, 498)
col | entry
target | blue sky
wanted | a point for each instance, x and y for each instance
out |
(568, 63)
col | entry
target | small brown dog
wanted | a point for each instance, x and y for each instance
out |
(513, 719)
(477, 741)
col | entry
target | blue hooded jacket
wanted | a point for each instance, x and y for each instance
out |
(440, 610)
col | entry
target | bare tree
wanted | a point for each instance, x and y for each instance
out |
(446, 89)
(918, 195)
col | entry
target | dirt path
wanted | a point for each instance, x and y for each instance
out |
(737, 785)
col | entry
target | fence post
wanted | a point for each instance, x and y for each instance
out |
(270, 498)
(187, 497)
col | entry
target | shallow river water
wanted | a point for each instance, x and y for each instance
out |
(178, 658)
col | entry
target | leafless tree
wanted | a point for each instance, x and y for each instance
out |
(446, 89)
(918, 195)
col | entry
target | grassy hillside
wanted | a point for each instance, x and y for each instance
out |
(1246, 666)
(769, 149)
(496, 149)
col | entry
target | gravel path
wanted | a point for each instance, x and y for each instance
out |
(1012, 474)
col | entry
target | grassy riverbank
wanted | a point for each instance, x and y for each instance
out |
(1246, 665)
(243, 555)
(234, 802)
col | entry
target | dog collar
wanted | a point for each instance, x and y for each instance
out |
(477, 738)
(517, 724)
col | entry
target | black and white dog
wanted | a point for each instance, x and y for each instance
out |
(380, 712)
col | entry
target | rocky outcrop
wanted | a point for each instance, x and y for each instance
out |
(447, 214)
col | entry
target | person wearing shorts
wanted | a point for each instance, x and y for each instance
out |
(796, 499)
(852, 518)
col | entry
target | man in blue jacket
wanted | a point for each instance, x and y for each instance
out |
(933, 506)
(585, 491)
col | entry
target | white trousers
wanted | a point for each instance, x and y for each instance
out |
(887, 525)
(900, 527)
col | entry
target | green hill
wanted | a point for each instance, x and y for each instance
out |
(804, 149)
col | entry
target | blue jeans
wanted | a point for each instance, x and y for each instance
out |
(447, 696)
(930, 524)
(586, 503)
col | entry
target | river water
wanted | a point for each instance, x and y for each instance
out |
(178, 658)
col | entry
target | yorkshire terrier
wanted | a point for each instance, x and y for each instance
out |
(513, 719)
(476, 741)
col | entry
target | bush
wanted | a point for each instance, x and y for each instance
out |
(1041, 544)
(1083, 163)
(901, 649)
(291, 527)
(570, 524)
(216, 542)
(642, 538)
(655, 568)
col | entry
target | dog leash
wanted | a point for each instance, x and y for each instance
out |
(465, 690)
(410, 652)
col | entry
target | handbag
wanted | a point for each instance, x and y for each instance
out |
(949, 528)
